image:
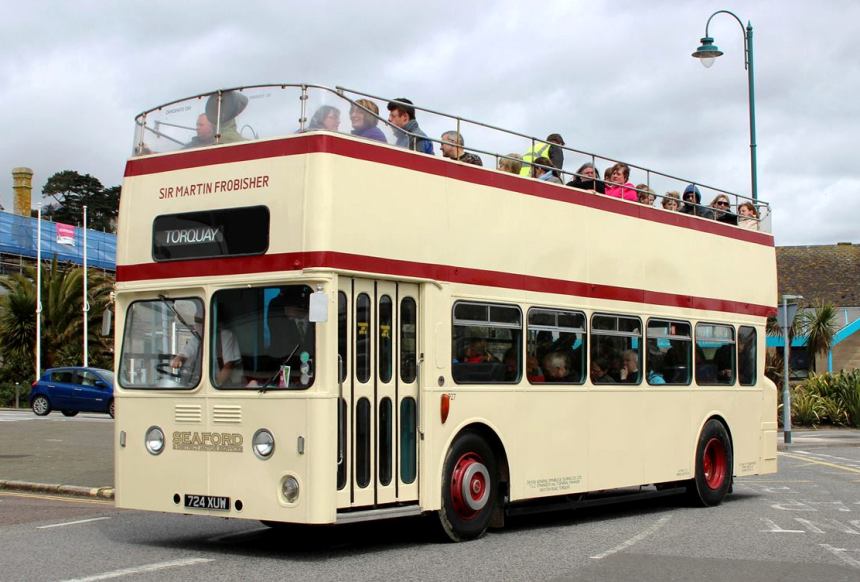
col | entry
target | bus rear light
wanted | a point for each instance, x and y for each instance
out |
(444, 407)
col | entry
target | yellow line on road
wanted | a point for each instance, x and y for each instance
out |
(56, 498)
(817, 462)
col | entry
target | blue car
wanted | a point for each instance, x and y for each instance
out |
(73, 390)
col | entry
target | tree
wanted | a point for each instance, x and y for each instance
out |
(62, 321)
(72, 191)
(819, 326)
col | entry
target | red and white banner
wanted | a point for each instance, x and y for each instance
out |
(65, 234)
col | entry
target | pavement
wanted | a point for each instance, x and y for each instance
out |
(74, 456)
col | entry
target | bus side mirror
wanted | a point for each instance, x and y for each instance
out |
(318, 308)
(107, 321)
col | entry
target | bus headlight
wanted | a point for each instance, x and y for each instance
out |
(154, 440)
(290, 489)
(263, 443)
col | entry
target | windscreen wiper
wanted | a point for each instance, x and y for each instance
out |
(265, 387)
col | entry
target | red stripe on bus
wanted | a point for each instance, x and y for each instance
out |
(453, 274)
(321, 143)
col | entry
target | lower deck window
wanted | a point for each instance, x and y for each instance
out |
(486, 344)
(616, 349)
(669, 352)
(556, 347)
(715, 354)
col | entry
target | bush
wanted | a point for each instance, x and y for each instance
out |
(7, 395)
(828, 398)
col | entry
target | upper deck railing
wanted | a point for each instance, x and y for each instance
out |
(275, 110)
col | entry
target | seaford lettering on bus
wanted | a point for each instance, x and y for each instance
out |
(191, 236)
(213, 187)
(218, 442)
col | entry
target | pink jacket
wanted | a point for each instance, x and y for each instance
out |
(627, 192)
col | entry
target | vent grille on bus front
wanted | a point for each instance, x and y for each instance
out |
(188, 413)
(227, 414)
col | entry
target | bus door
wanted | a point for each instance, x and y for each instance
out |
(377, 343)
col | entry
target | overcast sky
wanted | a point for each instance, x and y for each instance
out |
(614, 78)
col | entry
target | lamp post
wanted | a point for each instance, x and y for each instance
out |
(785, 318)
(708, 52)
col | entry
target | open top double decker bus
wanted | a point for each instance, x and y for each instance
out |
(316, 327)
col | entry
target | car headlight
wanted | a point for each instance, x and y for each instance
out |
(263, 443)
(290, 489)
(154, 440)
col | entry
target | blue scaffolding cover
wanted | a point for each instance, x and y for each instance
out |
(18, 237)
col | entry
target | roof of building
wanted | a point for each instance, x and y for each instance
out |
(825, 273)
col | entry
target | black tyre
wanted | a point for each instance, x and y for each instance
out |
(470, 488)
(70, 412)
(111, 409)
(714, 466)
(41, 405)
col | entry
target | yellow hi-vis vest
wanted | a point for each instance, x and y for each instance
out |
(539, 150)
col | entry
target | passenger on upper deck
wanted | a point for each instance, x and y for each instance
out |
(692, 202)
(363, 123)
(232, 104)
(205, 133)
(326, 117)
(621, 188)
(645, 195)
(452, 148)
(543, 170)
(671, 201)
(748, 216)
(402, 116)
(544, 150)
(721, 210)
(512, 164)
(587, 178)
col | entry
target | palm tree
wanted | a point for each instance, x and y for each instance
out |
(819, 326)
(62, 321)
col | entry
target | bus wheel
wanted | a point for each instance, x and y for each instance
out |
(713, 466)
(469, 488)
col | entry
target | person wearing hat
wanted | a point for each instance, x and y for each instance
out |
(232, 104)
(693, 202)
(545, 149)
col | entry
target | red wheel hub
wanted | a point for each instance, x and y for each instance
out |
(470, 486)
(714, 463)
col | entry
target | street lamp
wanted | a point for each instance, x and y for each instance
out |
(785, 318)
(708, 52)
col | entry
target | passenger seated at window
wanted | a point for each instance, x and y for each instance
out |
(556, 367)
(587, 178)
(748, 218)
(618, 186)
(544, 170)
(724, 360)
(326, 118)
(645, 195)
(671, 201)
(721, 210)
(232, 104)
(512, 163)
(476, 352)
(706, 371)
(452, 148)
(512, 364)
(600, 372)
(533, 372)
(629, 371)
(655, 368)
(364, 116)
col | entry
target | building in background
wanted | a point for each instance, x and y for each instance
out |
(823, 274)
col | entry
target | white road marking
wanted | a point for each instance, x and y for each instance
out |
(142, 569)
(635, 539)
(72, 522)
(842, 553)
